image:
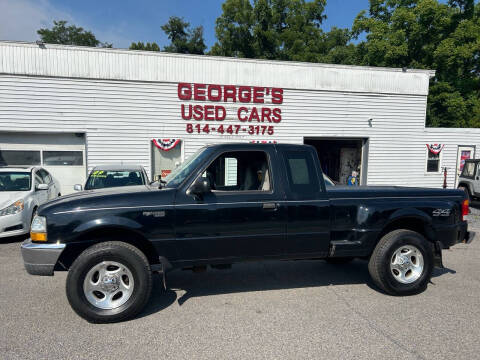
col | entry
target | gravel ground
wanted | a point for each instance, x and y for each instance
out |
(294, 310)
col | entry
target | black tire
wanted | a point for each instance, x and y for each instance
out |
(379, 264)
(120, 252)
(467, 192)
(339, 260)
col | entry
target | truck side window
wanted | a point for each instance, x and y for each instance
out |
(240, 171)
(469, 170)
(301, 173)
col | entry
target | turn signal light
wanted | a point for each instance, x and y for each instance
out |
(465, 209)
(38, 236)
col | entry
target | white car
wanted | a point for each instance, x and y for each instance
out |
(22, 191)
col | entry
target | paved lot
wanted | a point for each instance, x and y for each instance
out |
(304, 309)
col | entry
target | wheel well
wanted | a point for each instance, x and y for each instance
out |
(464, 185)
(409, 223)
(108, 234)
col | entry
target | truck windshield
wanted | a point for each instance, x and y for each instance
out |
(177, 176)
(15, 181)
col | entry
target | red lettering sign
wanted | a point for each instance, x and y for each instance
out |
(254, 120)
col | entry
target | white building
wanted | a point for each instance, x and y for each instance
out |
(71, 108)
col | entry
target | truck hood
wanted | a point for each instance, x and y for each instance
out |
(126, 196)
(7, 198)
(389, 191)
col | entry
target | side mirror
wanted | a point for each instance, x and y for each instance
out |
(41, 187)
(200, 186)
(77, 187)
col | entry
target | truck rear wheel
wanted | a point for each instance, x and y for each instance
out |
(109, 282)
(402, 263)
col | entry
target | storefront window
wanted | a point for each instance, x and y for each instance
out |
(19, 157)
(62, 158)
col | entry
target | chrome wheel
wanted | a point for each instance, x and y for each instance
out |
(407, 264)
(108, 285)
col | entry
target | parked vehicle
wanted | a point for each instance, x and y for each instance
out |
(469, 179)
(108, 176)
(22, 191)
(236, 202)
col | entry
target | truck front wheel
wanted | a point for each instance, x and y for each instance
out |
(402, 263)
(109, 282)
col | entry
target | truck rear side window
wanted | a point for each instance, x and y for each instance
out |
(302, 176)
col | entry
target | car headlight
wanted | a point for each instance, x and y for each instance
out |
(15, 208)
(38, 229)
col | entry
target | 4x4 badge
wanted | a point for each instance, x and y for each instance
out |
(441, 212)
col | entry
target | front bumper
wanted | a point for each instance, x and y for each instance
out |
(13, 225)
(40, 259)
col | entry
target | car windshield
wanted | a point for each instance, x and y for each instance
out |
(100, 179)
(15, 181)
(177, 176)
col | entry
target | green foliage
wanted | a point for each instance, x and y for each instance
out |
(183, 39)
(427, 34)
(60, 33)
(145, 46)
(273, 29)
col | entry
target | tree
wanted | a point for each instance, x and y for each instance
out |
(271, 29)
(183, 39)
(145, 46)
(427, 34)
(69, 35)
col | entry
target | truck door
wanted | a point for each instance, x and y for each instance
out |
(242, 217)
(308, 212)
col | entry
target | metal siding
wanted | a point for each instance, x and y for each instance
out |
(121, 118)
(114, 64)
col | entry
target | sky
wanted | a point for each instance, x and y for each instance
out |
(122, 22)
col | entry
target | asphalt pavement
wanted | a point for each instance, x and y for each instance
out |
(269, 310)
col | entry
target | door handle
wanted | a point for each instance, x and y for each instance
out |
(270, 206)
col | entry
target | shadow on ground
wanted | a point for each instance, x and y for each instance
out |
(261, 276)
(13, 239)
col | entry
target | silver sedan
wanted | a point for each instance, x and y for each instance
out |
(22, 191)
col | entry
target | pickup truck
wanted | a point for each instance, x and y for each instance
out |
(238, 202)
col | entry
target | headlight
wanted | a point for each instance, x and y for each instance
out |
(15, 208)
(38, 229)
(39, 224)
